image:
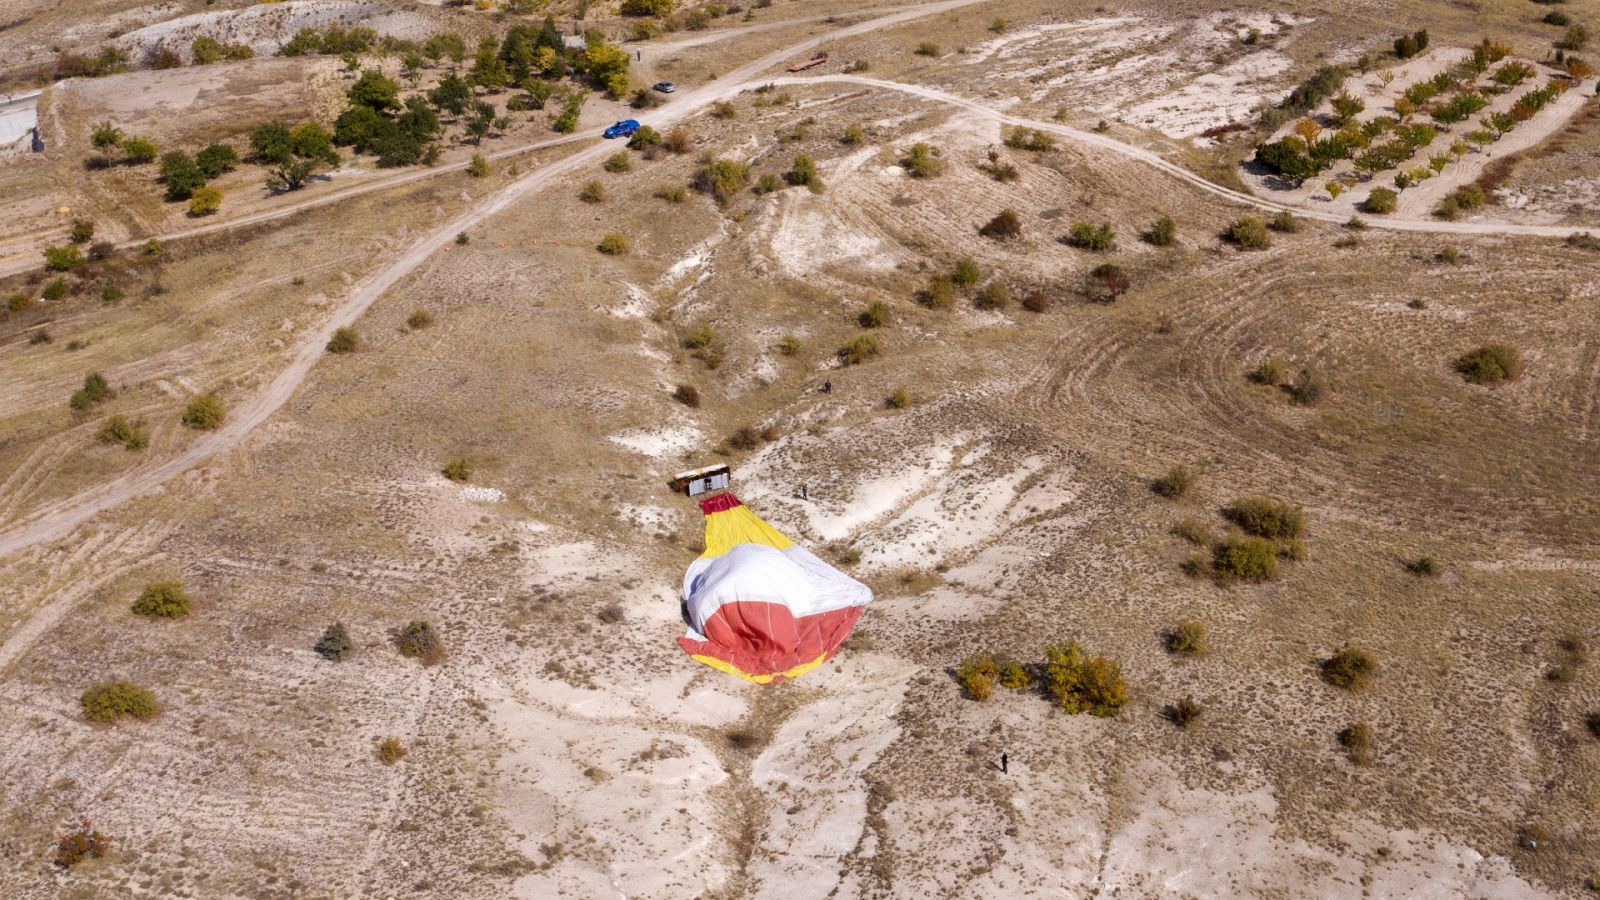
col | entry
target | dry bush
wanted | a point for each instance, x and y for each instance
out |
(1163, 233)
(939, 293)
(82, 843)
(612, 614)
(419, 318)
(860, 349)
(108, 701)
(978, 675)
(1490, 364)
(1192, 530)
(204, 412)
(1308, 388)
(1266, 517)
(1087, 236)
(419, 641)
(162, 600)
(1248, 233)
(687, 394)
(390, 751)
(1082, 683)
(1245, 559)
(899, 398)
(922, 161)
(1006, 225)
(994, 295)
(1349, 667)
(95, 390)
(1183, 713)
(592, 192)
(1424, 566)
(344, 340)
(614, 244)
(1176, 484)
(458, 469)
(1380, 201)
(118, 430)
(876, 315)
(1015, 675)
(1187, 639)
(1269, 372)
(746, 438)
(1356, 739)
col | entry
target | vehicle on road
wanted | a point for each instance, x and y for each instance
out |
(665, 87)
(625, 128)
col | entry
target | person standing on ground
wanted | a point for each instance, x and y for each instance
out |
(1005, 763)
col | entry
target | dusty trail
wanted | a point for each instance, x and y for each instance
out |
(1151, 159)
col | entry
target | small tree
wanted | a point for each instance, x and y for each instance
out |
(138, 151)
(344, 340)
(162, 600)
(64, 258)
(205, 201)
(1006, 225)
(181, 175)
(204, 413)
(290, 176)
(334, 643)
(105, 137)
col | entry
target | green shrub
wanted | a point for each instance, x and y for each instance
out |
(722, 179)
(1490, 364)
(1266, 517)
(1248, 233)
(216, 159)
(18, 302)
(162, 600)
(1381, 200)
(994, 295)
(922, 162)
(966, 273)
(118, 430)
(64, 258)
(94, 390)
(1183, 713)
(344, 340)
(859, 350)
(644, 139)
(56, 289)
(619, 162)
(1187, 639)
(1082, 683)
(335, 643)
(204, 201)
(876, 315)
(700, 337)
(390, 751)
(1356, 739)
(1349, 667)
(1090, 237)
(108, 701)
(1015, 675)
(977, 676)
(419, 641)
(1176, 483)
(1245, 559)
(1285, 222)
(204, 412)
(83, 843)
(613, 244)
(852, 136)
(899, 398)
(803, 173)
(458, 469)
(1164, 233)
(82, 231)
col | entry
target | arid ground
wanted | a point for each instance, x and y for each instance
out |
(995, 458)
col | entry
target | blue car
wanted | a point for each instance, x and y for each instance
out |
(625, 128)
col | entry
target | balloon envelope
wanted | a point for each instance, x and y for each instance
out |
(760, 606)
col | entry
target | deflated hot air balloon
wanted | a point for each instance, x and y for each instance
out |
(759, 605)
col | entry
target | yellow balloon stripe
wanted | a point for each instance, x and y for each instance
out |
(731, 527)
(725, 666)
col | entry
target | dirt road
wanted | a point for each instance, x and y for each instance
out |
(59, 519)
(1151, 159)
